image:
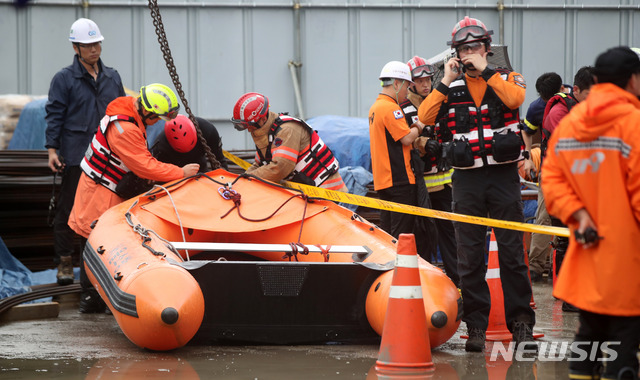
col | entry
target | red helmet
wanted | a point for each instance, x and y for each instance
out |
(469, 30)
(420, 68)
(250, 108)
(181, 134)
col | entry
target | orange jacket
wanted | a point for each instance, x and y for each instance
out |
(511, 92)
(593, 162)
(130, 145)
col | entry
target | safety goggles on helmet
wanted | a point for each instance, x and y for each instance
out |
(241, 125)
(170, 115)
(471, 46)
(423, 71)
(469, 33)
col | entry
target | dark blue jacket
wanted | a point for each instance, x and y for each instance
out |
(76, 104)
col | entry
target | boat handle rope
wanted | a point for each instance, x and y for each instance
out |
(175, 209)
(236, 197)
(144, 234)
(227, 193)
(324, 252)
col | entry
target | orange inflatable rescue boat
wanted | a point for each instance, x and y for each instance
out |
(226, 257)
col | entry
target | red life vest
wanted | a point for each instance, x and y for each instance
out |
(568, 101)
(99, 162)
(315, 164)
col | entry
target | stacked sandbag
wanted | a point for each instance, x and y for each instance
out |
(11, 106)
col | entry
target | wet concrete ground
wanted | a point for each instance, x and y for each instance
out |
(79, 346)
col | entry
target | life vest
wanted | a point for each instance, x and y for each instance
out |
(315, 164)
(568, 101)
(99, 162)
(485, 135)
(411, 115)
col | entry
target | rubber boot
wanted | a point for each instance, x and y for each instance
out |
(65, 271)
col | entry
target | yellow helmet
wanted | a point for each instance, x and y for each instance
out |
(160, 100)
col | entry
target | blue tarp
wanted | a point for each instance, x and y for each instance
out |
(15, 278)
(356, 179)
(30, 131)
(347, 137)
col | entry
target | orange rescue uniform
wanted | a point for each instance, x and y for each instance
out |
(390, 159)
(593, 162)
(93, 199)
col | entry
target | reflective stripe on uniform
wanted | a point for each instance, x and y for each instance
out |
(438, 179)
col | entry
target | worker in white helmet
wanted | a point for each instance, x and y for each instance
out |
(78, 98)
(391, 139)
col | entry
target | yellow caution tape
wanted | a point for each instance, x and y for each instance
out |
(353, 199)
(236, 160)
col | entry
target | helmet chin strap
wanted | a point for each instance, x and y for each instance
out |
(398, 90)
(80, 57)
(142, 115)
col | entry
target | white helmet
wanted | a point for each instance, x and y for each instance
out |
(85, 31)
(396, 70)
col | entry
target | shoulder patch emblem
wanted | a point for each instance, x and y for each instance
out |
(277, 141)
(519, 79)
(398, 114)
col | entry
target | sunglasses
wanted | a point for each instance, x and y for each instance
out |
(170, 115)
(241, 125)
(422, 71)
(470, 32)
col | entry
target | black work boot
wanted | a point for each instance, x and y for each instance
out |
(90, 302)
(476, 340)
(522, 333)
(65, 271)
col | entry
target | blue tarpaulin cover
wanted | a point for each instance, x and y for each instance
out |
(15, 278)
(29, 133)
(347, 137)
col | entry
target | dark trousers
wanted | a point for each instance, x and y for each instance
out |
(441, 200)
(607, 328)
(65, 240)
(561, 244)
(396, 223)
(492, 191)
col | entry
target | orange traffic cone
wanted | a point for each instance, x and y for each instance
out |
(405, 346)
(497, 329)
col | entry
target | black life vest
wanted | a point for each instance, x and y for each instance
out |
(314, 165)
(99, 162)
(411, 115)
(485, 135)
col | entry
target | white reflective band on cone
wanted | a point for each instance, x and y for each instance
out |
(492, 274)
(493, 246)
(407, 261)
(405, 292)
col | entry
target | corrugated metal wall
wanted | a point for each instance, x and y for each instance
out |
(225, 48)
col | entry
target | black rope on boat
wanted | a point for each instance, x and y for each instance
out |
(230, 194)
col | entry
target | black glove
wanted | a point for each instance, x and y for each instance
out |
(433, 149)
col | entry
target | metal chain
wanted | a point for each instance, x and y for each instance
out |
(166, 54)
